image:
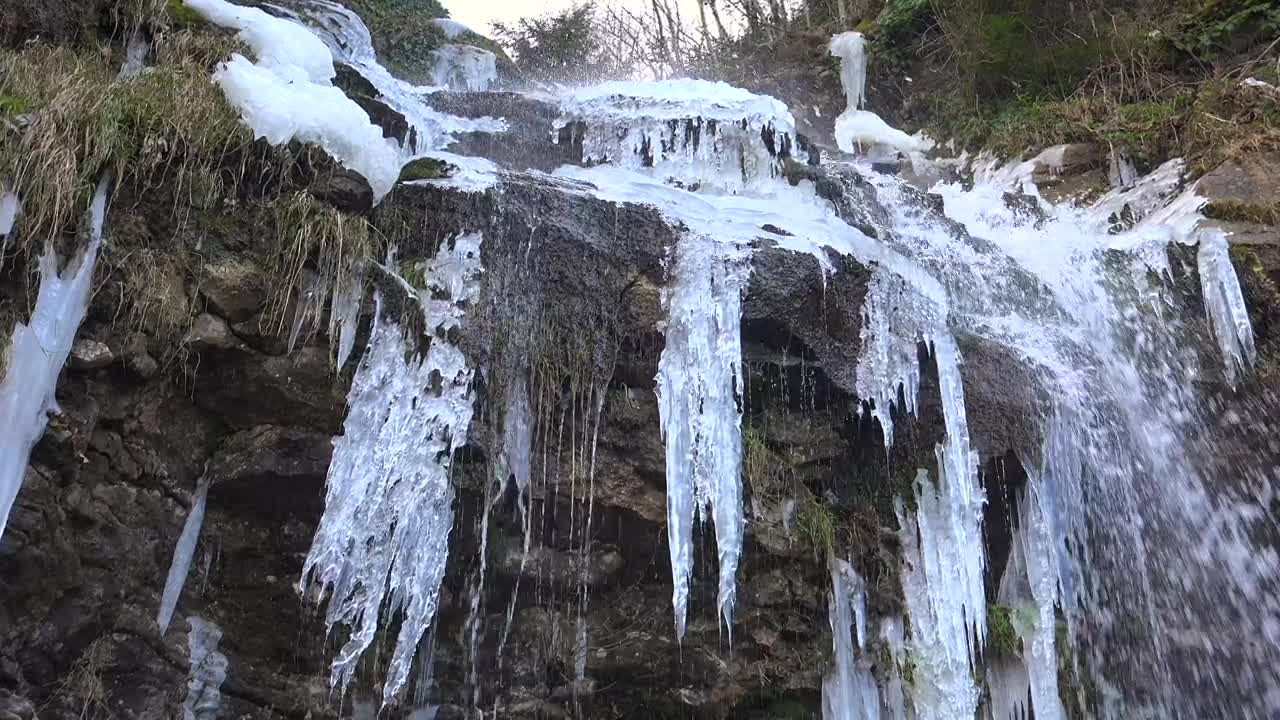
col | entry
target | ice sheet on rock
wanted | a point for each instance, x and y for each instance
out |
(699, 385)
(695, 132)
(849, 692)
(450, 27)
(283, 48)
(810, 225)
(851, 48)
(893, 691)
(858, 130)
(38, 350)
(280, 108)
(381, 545)
(1225, 305)
(469, 174)
(135, 55)
(463, 67)
(350, 41)
(1121, 172)
(208, 670)
(183, 553)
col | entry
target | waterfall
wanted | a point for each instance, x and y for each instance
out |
(849, 692)
(384, 535)
(1076, 297)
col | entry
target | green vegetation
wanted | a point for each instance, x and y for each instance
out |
(815, 526)
(1002, 638)
(426, 169)
(11, 105)
(169, 120)
(179, 15)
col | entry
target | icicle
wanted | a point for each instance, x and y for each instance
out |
(699, 386)
(10, 206)
(938, 598)
(849, 691)
(894, 316)
(698, 133)
(38, 351)
(893, 696)
(1040, 561)
(383, 539)
(344, 320)
(135, 55)
(851, 48)
(183, 552)
(856, 127)
(207, 673)
(1224, 303)
(1121, 171)
(517, 433)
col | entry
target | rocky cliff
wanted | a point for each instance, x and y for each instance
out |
(184, 371)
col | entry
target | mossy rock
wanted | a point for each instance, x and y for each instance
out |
(426, 169)
(11, 105)
(179, 15)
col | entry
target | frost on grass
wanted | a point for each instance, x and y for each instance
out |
(382, 543)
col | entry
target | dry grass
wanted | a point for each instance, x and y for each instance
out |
(169, 122)
(317, 250)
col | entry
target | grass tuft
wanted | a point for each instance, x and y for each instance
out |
(169, 122)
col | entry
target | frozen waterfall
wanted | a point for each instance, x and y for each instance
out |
(850, 691)
(384, 536)
(699, 400)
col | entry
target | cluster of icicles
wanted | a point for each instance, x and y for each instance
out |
(381, 547)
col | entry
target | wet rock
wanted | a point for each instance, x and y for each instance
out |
(210, 333)
(346, 190)
(1244, 198)
(247, 389)
(393, 123)
(272, 470)
(528, 141)
(233, 288)
(138, 360)
(89, 354)
(350, 81)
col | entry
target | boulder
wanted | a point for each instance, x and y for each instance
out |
(209, 333)
(89, 354)
(233, 288)
(346, 190)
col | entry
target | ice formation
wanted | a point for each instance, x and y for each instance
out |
(381, 545)
(286, 95)
(699, 389)
(943, 561)
(10, 206)
(345, 314)
(183, 552)
(858, 129)
(693, 131)
(849, 692)
(39, 349)
(1224, 302)
(350, 42)
(851, 48)
(282, 47)
(208, 670)
(450, 27)
(1038, 629)
(464, 67)
(861, 129)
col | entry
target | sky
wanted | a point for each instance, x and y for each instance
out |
(477, 14)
